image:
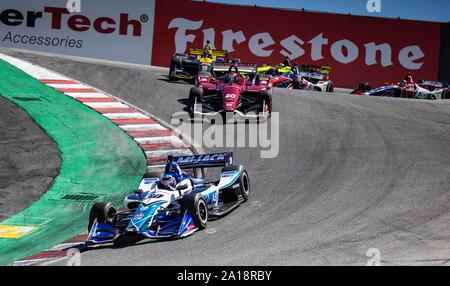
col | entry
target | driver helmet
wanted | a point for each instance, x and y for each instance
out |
(208, 46)
(403, 83)
(232, 77)
(169, 180)
(207, 53)
(287, 62)
(273, 72)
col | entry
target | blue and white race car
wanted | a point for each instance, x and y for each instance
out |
(176, 205)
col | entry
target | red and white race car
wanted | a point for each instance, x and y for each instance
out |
(407, 88)
(234, 89)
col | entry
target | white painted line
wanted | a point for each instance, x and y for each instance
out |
(63, 246)
(156, 140)
(165, 153)
(30, 262)
(44, 74)
(31, 69)
(65, 85)
(86, 95)
(106, 105)
(125, 116)
(142, 127)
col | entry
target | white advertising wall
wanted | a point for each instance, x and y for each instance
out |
(103, 29)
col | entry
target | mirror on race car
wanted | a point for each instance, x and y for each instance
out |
(182, 187)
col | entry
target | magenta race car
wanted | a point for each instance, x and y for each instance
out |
(234, 89)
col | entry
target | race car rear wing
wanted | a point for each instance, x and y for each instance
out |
(315, 72)
(315, 69)
(243, 68)
(205, 161)
(433, 83)
(200, 51)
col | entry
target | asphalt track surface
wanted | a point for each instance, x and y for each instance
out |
(353, 173)
(29, 160)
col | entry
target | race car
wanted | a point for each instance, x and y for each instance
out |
(406, 89)
(186, 67)
(317, 76)
(282, 76)
(174, 206)
(237, 90)
(305, 78)
(436, 85)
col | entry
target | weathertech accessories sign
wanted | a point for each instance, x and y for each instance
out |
(103, 29)
(358, 49)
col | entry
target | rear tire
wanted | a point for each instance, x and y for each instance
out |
(244, 184)
(330, 87)
(102, 212)
(177, 62)
(243, 191)
(172, 73)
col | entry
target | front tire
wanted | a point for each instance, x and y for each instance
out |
(267, 96)
(196, 205)
(195, 96)
(102, 212)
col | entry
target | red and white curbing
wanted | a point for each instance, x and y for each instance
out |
(155, 140)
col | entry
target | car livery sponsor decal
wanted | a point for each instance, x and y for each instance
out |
(103, 29)
(359, 49)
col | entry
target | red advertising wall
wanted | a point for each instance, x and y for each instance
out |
(357, 48)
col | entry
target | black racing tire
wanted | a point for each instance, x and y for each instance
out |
(102, 212)
(296, 84)
(195, 95)
(197, 206)
(177, 61)
(172, 73)
(233, 194)
(330, 88)
(244, 185)
(266, 96)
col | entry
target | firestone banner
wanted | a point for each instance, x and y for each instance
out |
(359, 49)
(103, 29)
